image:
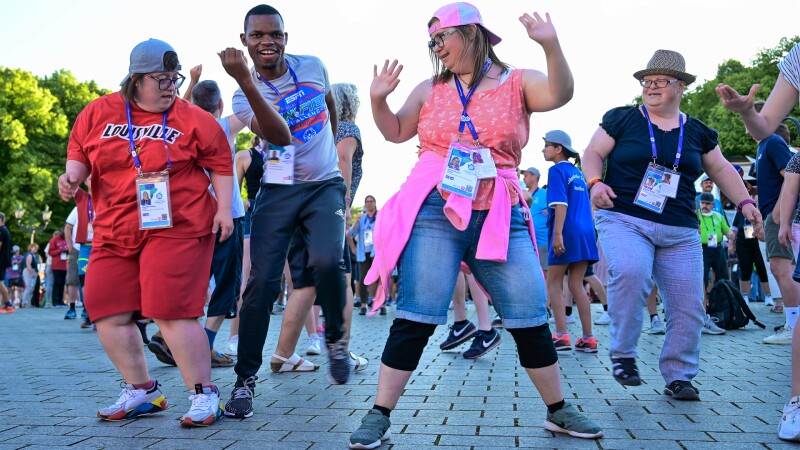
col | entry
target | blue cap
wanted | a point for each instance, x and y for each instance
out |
(534, 171)
(148, 56)
(561, 138)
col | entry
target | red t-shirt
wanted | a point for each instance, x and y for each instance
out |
(82, 230)
(195, 141)
(58, 246)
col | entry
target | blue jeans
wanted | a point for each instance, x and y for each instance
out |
(430, 262)
(639, 251)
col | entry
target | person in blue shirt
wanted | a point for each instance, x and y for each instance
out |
(362, 230)
(536, 198)
(572, 240)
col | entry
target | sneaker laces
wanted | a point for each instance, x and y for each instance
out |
(126, 394)
(200, 403)
(339, 349)
(244, 391)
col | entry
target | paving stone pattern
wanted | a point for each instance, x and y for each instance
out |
(56, 375)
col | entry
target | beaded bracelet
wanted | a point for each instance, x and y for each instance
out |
(592, 182)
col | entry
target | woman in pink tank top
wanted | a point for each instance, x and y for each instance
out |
(474, 109)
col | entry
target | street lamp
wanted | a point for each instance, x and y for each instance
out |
(34, 228)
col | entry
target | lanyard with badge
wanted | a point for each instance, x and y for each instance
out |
(369, 226)
(279, 161)
(711, 235)
(466, 163)
(152, 188)
(89, 228)
(659, 183)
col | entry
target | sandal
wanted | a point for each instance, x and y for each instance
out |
(777, 309)
(292, 364)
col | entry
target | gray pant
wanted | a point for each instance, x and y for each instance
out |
(30, 283)
(638, 252)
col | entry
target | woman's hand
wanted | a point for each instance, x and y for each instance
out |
(222, 223)
(540, 30)
(751, 213)
(602, 196)
(735, 102)
(558, 244)
(384, 83)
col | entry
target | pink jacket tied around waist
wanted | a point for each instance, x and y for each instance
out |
(396, 220)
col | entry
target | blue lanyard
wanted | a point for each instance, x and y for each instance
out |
(465, 120)
(136, 163)
(91, 212)
(653, 139)
(278, 93)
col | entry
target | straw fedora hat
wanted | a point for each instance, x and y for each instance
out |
(666, 62)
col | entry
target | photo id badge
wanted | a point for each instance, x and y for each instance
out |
(648, 196)
(749, 230)
(669, 183)
(459, 174)
(152, 198)
(367, 238)
(712, 240)
(483, 163)
(279, 165)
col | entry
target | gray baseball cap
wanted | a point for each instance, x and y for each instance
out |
(534, 171)
(561, 138)
(148, 56)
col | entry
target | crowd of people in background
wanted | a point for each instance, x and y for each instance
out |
(651, 216)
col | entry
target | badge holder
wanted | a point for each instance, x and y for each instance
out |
(749, 230)
(459, 173)
(712, 239)
(152, 198)
(279, 165)
(648, 196)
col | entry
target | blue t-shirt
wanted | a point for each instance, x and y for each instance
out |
(539, 214)
(566, 186)
(772, 156)
(632, 153)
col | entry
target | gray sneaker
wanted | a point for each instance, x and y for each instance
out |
(340, 366)
(374, 429)
(568, 420)
(710, 326)
(657, 326)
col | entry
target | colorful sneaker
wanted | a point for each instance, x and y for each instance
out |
(71, 315)
(232, 349)
(458, 336)
(86, 323)
(220, 360)
(206, 407)
(240, 405)
(562, 343)
(783, 335)
(359, 362)
(657, 326)
(604, 319)
(625, 371)
(134, 402)
(682, 390)
(313, 347)
(7, 309)
(568, 420)
(497, 322)
(710, 326)
(588, 345)
(483, 343)
(374, 429)
(789, 428)
(340, 366)
(159, 347)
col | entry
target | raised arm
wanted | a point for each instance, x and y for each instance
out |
(760, 125)
(194, 78)
(267, 123)
(555, 89)
(401, 126)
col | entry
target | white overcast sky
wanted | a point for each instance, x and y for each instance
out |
(605, 41)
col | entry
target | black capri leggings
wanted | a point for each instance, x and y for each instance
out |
(748, 252)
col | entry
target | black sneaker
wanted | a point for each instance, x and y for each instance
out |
(682, 390)
(625, 371)
(484, 342)
(458, 336)
(362, 311)
(383, 311)
(497, 322)
(240, 404)
(143, 331)
(340, 365)
(159, 346)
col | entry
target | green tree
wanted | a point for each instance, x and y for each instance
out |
(35, 118)
(243, 140)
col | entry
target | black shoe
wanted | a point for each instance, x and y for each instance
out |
(363, 311)
(143, 331)
(340, 365)
(682, 390)
(497, 322)
(484, 342)
(159, 346)
(383, 311)
(458, 336)
(625, 371)
(240, 404)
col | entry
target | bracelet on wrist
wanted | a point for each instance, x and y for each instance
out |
(747, 201)
(592, 182)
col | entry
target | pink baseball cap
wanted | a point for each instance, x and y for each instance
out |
(460, 13)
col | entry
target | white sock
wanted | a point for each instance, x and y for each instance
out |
(791, 315)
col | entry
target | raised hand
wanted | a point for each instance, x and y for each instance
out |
(195, 72)
(235, 63)
(735, 102)
(540, 30)
(384, 83)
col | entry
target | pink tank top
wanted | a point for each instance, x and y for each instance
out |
(500, 118)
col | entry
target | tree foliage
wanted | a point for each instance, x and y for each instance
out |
(35, 117)
(702, 101)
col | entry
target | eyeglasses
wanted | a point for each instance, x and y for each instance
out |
(438, 40)
(165, 83)
(657, 83)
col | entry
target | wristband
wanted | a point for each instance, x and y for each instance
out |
(747, 201)
(592, 182)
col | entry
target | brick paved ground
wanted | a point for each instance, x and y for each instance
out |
(55, 376)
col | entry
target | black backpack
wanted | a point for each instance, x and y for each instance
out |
(726, 304)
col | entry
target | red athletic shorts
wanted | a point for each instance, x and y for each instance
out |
(163, 278)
